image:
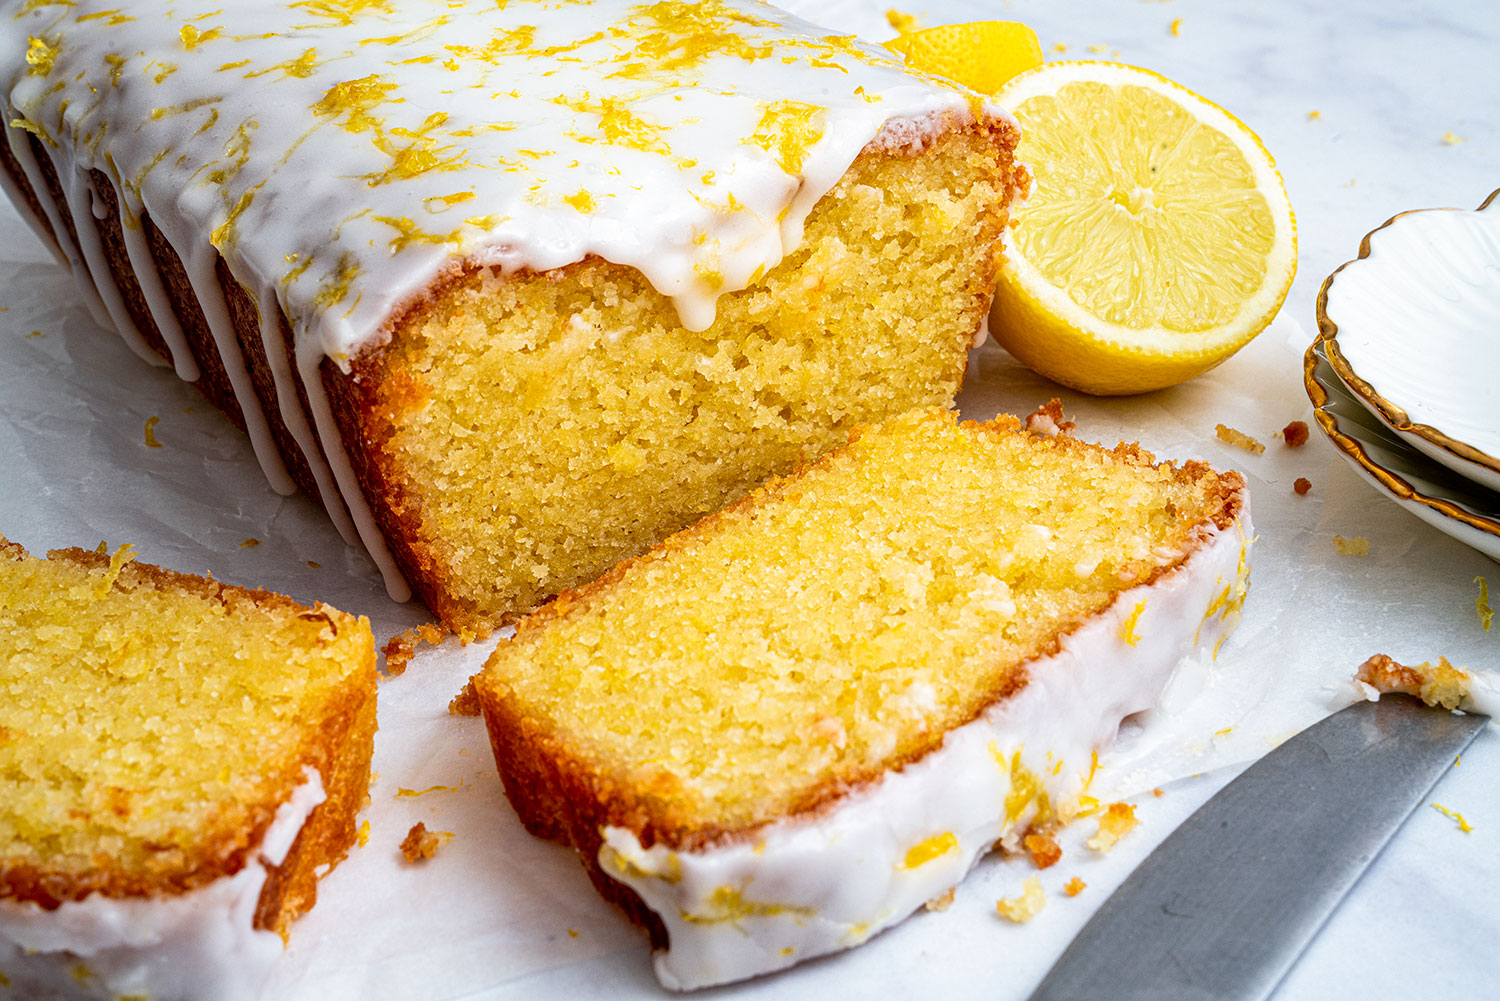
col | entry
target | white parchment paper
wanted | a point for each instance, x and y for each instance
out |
(497, 914)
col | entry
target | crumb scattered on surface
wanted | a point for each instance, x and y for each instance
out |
(1314, 115)
(941, 902)
(151, 423)
(1044, 849)
(1238, 439)
(1074, 886)
(363, 833)
(420, 843)
(466, 702)
(1463, 825)
(403, 646)
(1059, 47)
(1157, 792)
(1295, 434)
(250, 543)
(1301, 486)
(1048, 420)
(1176, 27)
(1025, 907)
(1451, 139)
(1098, 48)
(572, 932)
(315, 564)
(1116, 822)
(1482, 603)
(1357, 546)
(1439, 684)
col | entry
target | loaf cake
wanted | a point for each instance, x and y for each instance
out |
(180, 761)
(515, 290)
(789, 726)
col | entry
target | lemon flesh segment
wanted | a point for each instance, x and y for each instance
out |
(1158, 239)
(980, 55)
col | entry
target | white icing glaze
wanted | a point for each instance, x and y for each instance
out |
(20, 147)
(143, 266)
(805, 887)
(187, 947)
(23, 207)
(343, 156)
(83, 205)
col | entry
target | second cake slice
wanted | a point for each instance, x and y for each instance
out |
(786, 728)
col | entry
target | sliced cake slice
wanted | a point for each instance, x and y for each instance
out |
(180, 760)
(791, 725)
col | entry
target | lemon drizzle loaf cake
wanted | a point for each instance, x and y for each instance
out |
(180, 760)
(789, 726)
(514, 289)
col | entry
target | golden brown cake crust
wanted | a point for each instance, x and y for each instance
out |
(338, 743)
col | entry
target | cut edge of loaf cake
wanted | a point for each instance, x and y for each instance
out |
(289, 429)
(688, 888)
(383, 384)
(336, 745)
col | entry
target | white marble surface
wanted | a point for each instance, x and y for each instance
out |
(493, 915)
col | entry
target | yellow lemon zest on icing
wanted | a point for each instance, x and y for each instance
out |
(505, 42)
(675, 35)
(302, 66)
(115, 16)
(438, 203)
(421, 155)
(354, 99)
(192, 37)
(1127, 628)
(185, 107)
(928, 849)
(1024, 788)
(409, 232)
(788, 130)
(234, 65)
(619, 125)
(728, 903)
(622, 867)
(163, 69)
(40, 55)
(116, 64)
(343, 12)
(582, 201)
(334, 289)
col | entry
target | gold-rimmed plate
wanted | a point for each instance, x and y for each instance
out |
(1453, 504)
(1412, 328)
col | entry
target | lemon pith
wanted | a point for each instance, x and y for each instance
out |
(1158, 239)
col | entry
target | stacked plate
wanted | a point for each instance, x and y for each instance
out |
(1405, 374)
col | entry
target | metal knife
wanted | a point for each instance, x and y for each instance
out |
(1227, 903)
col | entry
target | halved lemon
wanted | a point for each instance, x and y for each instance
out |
(1158, 239)
(981, 55)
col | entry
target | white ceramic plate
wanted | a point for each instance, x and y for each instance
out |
(1451, 503)
(1412, 327)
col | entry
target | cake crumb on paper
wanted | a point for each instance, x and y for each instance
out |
(363, 833)
(420, 843)
(1238, 439)
(1116, 822)
(1295, 434)
(1314, 115)
(403, 646)
(1028, 905)
(1450, 138)
(151, 423)
(250, 543)
(466, 702)
(1454, 815)
(1301, 486)
(1074, 886)
(942, 901)
(1043, 848)
(1357, 546)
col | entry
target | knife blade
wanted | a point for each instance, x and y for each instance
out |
(1224, 906)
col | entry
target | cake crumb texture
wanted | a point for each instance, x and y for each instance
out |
(828, 628)
(152, 723)
(529, 431)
